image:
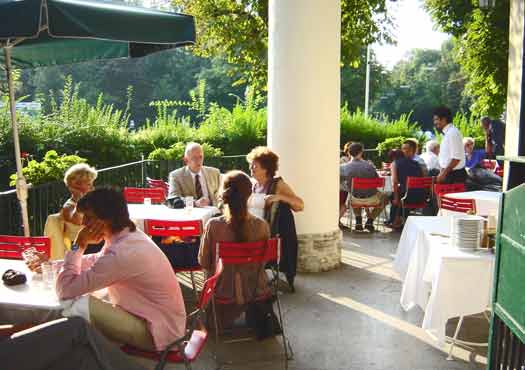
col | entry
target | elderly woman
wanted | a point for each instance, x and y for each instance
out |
(147, 308)
(473, 157)
(274, 199)
(236, 225)
(63, 227)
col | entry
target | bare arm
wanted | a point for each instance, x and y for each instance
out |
(70, 214)
(285, 194)
(395, 184)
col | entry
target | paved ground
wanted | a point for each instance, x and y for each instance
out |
(350, 318)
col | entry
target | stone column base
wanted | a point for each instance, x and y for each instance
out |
(319, 252)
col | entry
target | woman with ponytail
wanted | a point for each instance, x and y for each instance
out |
(236, 225)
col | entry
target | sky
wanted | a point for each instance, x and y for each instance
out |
(414, 30)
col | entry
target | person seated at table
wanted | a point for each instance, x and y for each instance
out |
(473, 157)
(401, 169)
(195, 180)
(430, 156)
(62, 344)
(274, 200)
(238, 282)
(359, 168)
(63, 227)
(147, 309)
(418, 158)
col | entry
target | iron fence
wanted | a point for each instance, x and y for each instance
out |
(48, 198)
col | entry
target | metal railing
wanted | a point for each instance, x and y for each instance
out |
(48, 198)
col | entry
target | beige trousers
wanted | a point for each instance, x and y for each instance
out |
(119, 325)
(378, 198)
(61, 233)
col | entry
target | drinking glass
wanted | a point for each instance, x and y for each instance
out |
(188, 201)
(47, 273)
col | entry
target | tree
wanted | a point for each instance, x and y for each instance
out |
(482, 48)
(238, 30)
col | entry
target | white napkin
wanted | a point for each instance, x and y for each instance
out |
(76, 307)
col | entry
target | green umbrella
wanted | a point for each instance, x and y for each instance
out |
(49, 32)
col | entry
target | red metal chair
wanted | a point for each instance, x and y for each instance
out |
(187, 348)
(442, 189)
(489, 164)
(423, 183)
(359, 183)
(180, 229)
(11, 247)
(458, 205)
(261, 252)
(137, 195)
(155, 183)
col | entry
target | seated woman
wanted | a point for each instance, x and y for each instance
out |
(274, 200)
(402, 168)
(62, 344)
(147, 309)
(63, 227)
(238, 282)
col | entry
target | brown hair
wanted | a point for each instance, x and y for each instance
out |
(108, 205)
(236, 189)
(266, 158)
(346, 148)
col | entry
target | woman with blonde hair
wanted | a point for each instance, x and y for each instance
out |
(238, 282)
(63, 227)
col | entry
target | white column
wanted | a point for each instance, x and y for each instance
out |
(303, 118)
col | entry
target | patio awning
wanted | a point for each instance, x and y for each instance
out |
(51, 32)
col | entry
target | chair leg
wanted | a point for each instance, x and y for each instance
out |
(194, 287)
(286, 345)
(216, 327)
(454, 339)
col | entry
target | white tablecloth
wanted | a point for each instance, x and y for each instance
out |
(444, 281)
(487, 202)
(32, 301)
(140, 212)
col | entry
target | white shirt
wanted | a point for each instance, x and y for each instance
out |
(202, 180)
(451, 148)
(431, 160)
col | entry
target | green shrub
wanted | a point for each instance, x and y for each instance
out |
(389, 144)
(176, 152)
(52, 168)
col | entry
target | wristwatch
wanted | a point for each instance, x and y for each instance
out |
(75, 247)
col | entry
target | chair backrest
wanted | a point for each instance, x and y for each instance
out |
(137, 195)
(499, 171)
(458, 205)
(173, 228)
(489, 164)
(155, 183)
(208, 289)
(359, 183)
(442, 189)
(233, 253)
(12, 246)
(414, 182)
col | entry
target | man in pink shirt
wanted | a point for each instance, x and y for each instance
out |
(147, 308)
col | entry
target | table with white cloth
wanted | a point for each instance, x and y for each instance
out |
(487, 202)
(140, 212)
(442, 280)
(30, 302)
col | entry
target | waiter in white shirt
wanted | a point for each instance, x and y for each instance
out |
(451, 153)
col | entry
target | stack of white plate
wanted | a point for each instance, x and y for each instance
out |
(466, 232)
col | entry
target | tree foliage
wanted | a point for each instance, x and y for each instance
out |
(482, 48)
(238, 30)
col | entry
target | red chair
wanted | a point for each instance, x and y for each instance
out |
(180, 229)
(137, 195)
(386, 166)
(154, 183)
(261, 252)
(499, 171)
(187, 348)
(365, 184)
(489, 164)
(458, 205)
(423, 183)
(442, 189)
(11, 247)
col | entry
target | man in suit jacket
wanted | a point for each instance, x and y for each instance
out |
(194, 179)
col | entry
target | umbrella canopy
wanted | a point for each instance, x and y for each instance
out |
(37, 33)
(50, 32)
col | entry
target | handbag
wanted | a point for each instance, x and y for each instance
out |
(262, 319)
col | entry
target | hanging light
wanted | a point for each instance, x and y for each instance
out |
(487, 4)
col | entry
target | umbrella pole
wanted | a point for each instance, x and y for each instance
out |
(21, 184)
